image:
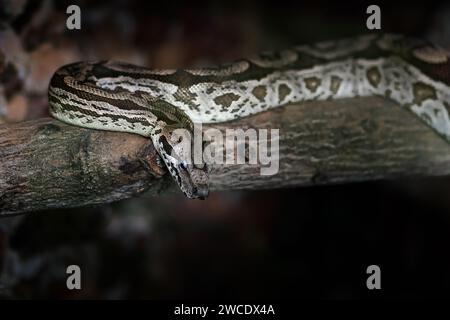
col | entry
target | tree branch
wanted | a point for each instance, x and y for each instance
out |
(48, 164)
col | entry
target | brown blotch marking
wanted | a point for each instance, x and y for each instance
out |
(260, 92)
(396, 74)
(423, 92)
(283, 91)
(187, 97)
(335, 84)
(312, 83)
(374, 76)
(225, 100)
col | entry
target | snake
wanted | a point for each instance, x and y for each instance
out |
(154, 103)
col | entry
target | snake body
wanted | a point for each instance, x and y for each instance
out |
(117, 96)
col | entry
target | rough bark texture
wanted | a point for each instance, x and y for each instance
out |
(48, 164)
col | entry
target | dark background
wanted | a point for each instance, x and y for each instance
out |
(313, 242)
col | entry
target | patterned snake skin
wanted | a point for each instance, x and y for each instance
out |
(122, 97)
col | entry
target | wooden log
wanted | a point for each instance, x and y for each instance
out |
(48, 164)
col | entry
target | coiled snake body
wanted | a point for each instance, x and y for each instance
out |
(122, 97)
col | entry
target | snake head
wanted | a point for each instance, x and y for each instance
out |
(175, 148)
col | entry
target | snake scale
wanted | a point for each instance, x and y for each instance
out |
(118, 96)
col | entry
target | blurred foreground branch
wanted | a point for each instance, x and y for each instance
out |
(48, 164)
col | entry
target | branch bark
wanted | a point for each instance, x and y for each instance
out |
(48, 164)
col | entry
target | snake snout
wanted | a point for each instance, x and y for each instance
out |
(203, 194)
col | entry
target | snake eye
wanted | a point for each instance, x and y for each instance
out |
(183, 165)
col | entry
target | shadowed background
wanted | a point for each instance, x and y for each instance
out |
(306, 242)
